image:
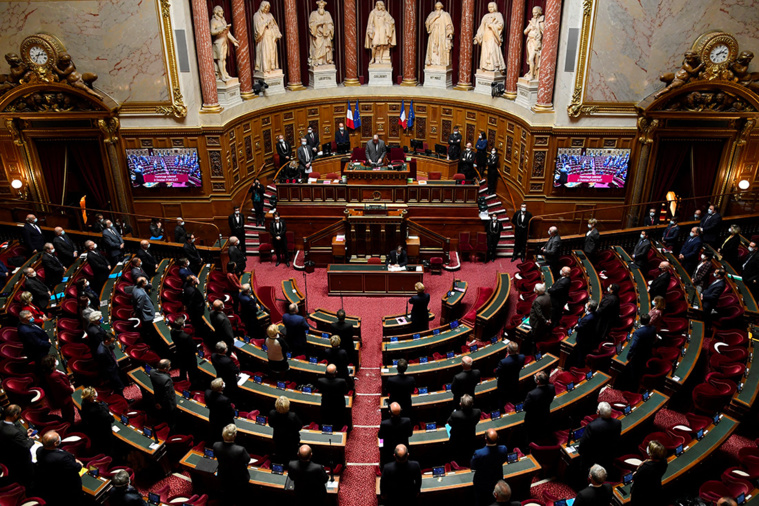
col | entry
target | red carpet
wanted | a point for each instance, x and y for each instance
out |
(357, 487)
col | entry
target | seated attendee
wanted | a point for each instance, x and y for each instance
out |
(394, 431)
(226, 369)
(97, 420)
(420, 319)
(507, 373)
(729, 248)
(487, 464)
(463, 435)
(40, 292)
(640, 253)
(375, 151)
(689, 252)
(660, 283)
(333, 391)
(587, 338)
(123, 493)
(502, 494)
(286, 427)
(58, 389)
(276, 351)
(220, 410)
(63, 485)
(559, 293)
(600, 439)
(671, 234)
(401, 479)
(35, 340)
(16, 443)
(400, 387)
(597, 493)
(336, 355)
(466, 381)
(537, 409)
(64, 247)
(647, 487)
(397, 257)
(233, 468)
(309, 479)
(52, 266)
(27, 304)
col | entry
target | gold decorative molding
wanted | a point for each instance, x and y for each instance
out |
(646, 129)
(110, 129)
(748, 127)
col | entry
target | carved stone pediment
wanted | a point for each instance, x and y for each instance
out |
(50, 101)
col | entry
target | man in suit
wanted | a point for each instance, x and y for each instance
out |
(651, 220)
(32, 235)
(520, 221)
(467, 162)
(454, 144)
(608, 312)
(344, 329)
(597, 493)
(62, 483)
(537, 409)
(342, 139)
(703, 272)
(222, 327)
(507, 373)
(640, 253)
(309, 478)
(226, 369)
(559, 293)
(180, 234)
(114, 243)
(137, 270)
(101, 267)
(600, 440)
(552, 249)
(641, 345)
(106, 360)
(333, 391)
(39, 290)
(401, 480)
(286, 427)
(711, 294)
(237, 227)
(149, 263)
(305, 158)
(123, 493)
(689, 252)
(143, 307)
(184, 269)
(487, 464)
(671, 233)
(65, 247)
(96, 334)
(587, 337)
(312, 137)
(237, 255)
(592, 240)
(750, 269)
(195, 304)
(16, 443)
(192, 254)
(278, 231)
(400, 387)
(336, 355)
(540, 319)
(98, 224)
(220, 410)
(284, 150)
(233, 467)
(502, 495)
(394, 431)
(375, 151)
(185, 351)
(466, 381)
(710, 226)
(660, 283)
(420, 302)
(494, 229)
(296, 328)
(164, 396)
(249, 310)
(397, 257)
(463, 436)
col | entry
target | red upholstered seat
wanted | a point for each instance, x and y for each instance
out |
(465, 245)
(483, 294)
(374, 261)
(435, 176)
(436, 265)
(458, 177)
(358, 155)
(20, 390)
(265, 250)
(656, 370)
(267, 297)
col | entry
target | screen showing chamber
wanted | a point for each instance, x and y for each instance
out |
(164, 168)
(591, 168)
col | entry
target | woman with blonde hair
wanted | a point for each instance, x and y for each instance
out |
(276, 351)
(27, 305)
(419, 315)
(659, 305)
(286, 426)
(646, 487)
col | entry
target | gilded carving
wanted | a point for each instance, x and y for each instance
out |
(748, 127)
(646, 128)
(12, 127)
(509, 148)
(700, 101)
(248, 149)
(110, 129)
(50, 102)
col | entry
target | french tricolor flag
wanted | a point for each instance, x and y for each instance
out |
(349, 117)
(402, 119)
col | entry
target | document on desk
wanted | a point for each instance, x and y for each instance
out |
(33, 450)
(243, 378)
(401, 320)
(239, 344)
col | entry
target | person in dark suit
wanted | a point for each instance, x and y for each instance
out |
(689, 252)
(97, 420)
(671, 234)
(278, 231)
(309, 478)
(750, 269)
(537, 409)
(284, 150)
(540, 319)
(702, 274)
(592, 240)
(660, 283)
(143, 307)
(32, 235)
(487, 464)
(98, 224)
(156, 229)
(194, 303)
(587, 337)
(286, 426)
(400, 387)
(521, 222)
(463, 435)
(123, 493)
(305, 159)
(137, 271)
(559, 292)
(710, 225)
(467, 162)
(597, 493)
(454, 144)
(401, 480)
(336, 355)
(711, 294)
(375, 151)
(226, 369)
(221, 325)
(164, 395)
(220, 410)
(600, 440)
(651, 220)
(35, 340)
(237, 228)
(641, 345)
(38, 289)
(492, 164)
(257, 194)
(493, 229)
(420, 302)
(185, 351)
(344, 329)
(237, 255)
(249, 310)
(312, 138)
(397, 257)
(729, 248)
(149, 263)
(192, 254)
(95, 332)
(466, 381)
(122, 227)
(180, 234)
(502, 495)
(507, 373)
(114, 243)
(100, 265)
(640, 253)
(62, 485)
(608, 311)
(342, 139)
(64, 247)
(296, 328)
(646, 487)
(16, 443)
(109, 367)
(233, 467)
(552, 249)
(394, 431)
(333, 391)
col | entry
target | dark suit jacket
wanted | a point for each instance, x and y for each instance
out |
(97, 421)
(163, 390)
(464, 383)
(297, 327)
(220, 412)
(401, 482)
(223, 328)
(39, 290)
(641, 344)
(305, 156)
(691, 248)
(607, 313)
(193, 300)
(494, 233)
(113, 241)
(192, 254)
(63, 485)
(100, 265)
(345, 331)
(711, 293)
(537, 405)
(750, 270)
(342, 137)
(600, 442)
(237, 229)
(64, 248)
(95, 335)
(312, 140)
(559, 292)
(33, 238)
(553, 245)
(107, 361)
(233, 463)
(467, 161)
(180, 234)
(393, 258)
(394, 431)
(520, 225)
(594, 496)
(540, 313)
(149, 263)
(640, 253)
(286, 431)
(15, 454)
(399, 389)
(375, 154)
(670, 235)
(710, 227)
(282, 231)
(126, 496)
(238, 257)
(591, 241)
(507, 373)
(487, 464)
(308, 479)
(419, 304)
(333, 392)
(339, 357)
(285, 151)
(659, 285)
(139, 272)
(586, 331)
(648, 221)
(226, 369)
(35, 341)
(463, 424)
(646, 488)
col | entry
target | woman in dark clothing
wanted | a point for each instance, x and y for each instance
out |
(287, 426)
(156, 229)
(646, 488)
(482, 153)
(97, 420)
(729, 247)
(257, 196)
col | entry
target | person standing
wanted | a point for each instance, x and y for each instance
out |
(62, 485)
(689, 252)
(114, 243)
(641, 346)
(222, 327)
(237, 227)
(309, 479)
(220, 410)
(651, 220)
(185, 351)
(233, 467)
(286, 427)
(592, 240)
(257, 198)
(285, 152)
(660, 283)
(123, 493)
(164, 395)
(401, 480)
(101, 267)
(482, 150)
(107, 363)
(32, 235)
(276, 351)
(296, 328)
(336, 355)
(608, 312)
(194, 304)
(671, 234)
(521, 222)
(559, 293)
(552, 249)
(468, 162)
(344, 329)
(420, 302)
(640, 253)
(278, 231)
(35, 340)
(65, 247)
(600, 440)
(587, 335)
(191, 253)
(39, 290)
(463, 423)
(180, 234)
(394, 431)
(750, 269)
(492, 163)
(494, 229)
(597, 493)
(454, 144)
(97, 420)
(342, 139)
(487, 464)
(729, 248)
(540, 319)
(149, 263)
(226, 369)
(647, 487)
(465, 382)
(710, 226)
(375, 151)
(305, 158)
(58, 388)
(333, 391)
(312, 137)
(236, 254)
(52, 266)
(401, 386)
(537, 409)
(711, 294)
(507, 373)
(143, 307)
(16, 443)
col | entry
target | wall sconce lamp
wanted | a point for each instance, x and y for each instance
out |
(743, 184)
(18, 185)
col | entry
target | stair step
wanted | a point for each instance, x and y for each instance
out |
(271, 188)
(496, 203)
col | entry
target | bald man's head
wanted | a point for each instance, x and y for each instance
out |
(401, 453)
(466, 363)
(395, 409)
(218, 305)
(304, 453)
(663, 266)
(50, 440)
(502, 491)
(491, 437)
(331, 370)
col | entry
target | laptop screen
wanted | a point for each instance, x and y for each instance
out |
(277, 468)
(261, 420)
(512, 457)
(628, 478)
(208, 452)
(679, 450)
(438, 471)
(431, 426)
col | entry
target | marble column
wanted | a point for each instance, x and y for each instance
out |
(293, 46)
(203, 47)
(548, 56)
(466, 46)
(242, 52)
(351, 41)
(514, 57)
(409, 43)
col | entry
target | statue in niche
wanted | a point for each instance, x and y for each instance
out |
(692, 65)
(66, 71)
(440, 41)
(534, 33)
(490, 38)
(221, 39)
(321, 30)
(380, 34)
(266, 33)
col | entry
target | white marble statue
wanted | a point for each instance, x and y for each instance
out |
(266, 33)
(380, 34)
(221, 39)
(490, 38)
(534, 32)
(440, 41)
(322, 31)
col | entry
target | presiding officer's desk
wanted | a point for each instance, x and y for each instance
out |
(372, 279)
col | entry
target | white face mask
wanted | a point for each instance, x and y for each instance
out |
(710, 211)
(52, 251)
(524, 209)
(671, 222)
(310, 131)
(652, 214)
(237, 212)
(181, 223)
(751, 249)
(303, 142)
(193, 239)
(95, 247)
(492, 152)
(642, 236)
(341, 129)
(692, 234)
(590, 226)
(696, 217)
(63, 232)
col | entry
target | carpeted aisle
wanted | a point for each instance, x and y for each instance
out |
(357, 487)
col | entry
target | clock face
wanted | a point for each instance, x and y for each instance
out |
(38, 55)
(719, 53)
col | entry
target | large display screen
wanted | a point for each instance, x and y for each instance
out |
(164, 168)
(591, 168)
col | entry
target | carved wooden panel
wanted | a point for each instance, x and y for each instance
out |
(248, 149)
(290, 134)
(393, 107)
(218, 187)
(246, 127)
(267, 140)
(232, 134)
(610, 143)
(313, 111)
(366, 108)
(266, 121)
(445, 132)
(509, 148)
(212, 141)
(366, 126)
(421, 127)
(471, 115)
(447, 111)
(177, 143)
(395, 128)
(578, 142)
(522, 156)
(538, 164)
(491, 138)
(541, 141)
(493, 121)
(146, 143)
(233, 148)
(314, 123)
(536, 187)
(339, 109)
(288, 115)
(506, 169)
(470, 135)
(421, 109)
(524, 134)
(510, 127)
(214, 157)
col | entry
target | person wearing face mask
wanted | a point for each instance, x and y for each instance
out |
(647, 487)
(467, 163)
(660, 283)
(494, 230)
(257, 194)
(559, 292)
(192, 254)
(639, 352)
(35, 340)
(305, 158)
(38, 289)
(108, 365)
(143, 307)
(284, 150)
(342, 139)
(587, 336)
(185, 351)
(697, 216)
(64, 247)
(729, 248)
(640, 253)
(651, 220)
(137, 270)
(492, 164)
(149, 263)
(482, 150)
(220, 410)
(98, 224)
(278, 231)
(592, 240)
(16, 443)
(671, 234)
(551, 251)
(180, 234)
(28, 304)
(710, 226)
(114, 243)
(156, 229)
(96, 334)
(164, 395)
(658, 306)
(32, 235)
(608, 312)
(101, 267)
(689, 253)
(313, 141)
(520, 221)
(237, 227)
(62, 485)
(236, 256)
(712, 293)
(750, 269)
(454, 144)
(702, 273)
(52, 267)
(375, 151)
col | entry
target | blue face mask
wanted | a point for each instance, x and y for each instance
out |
(31, 319)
